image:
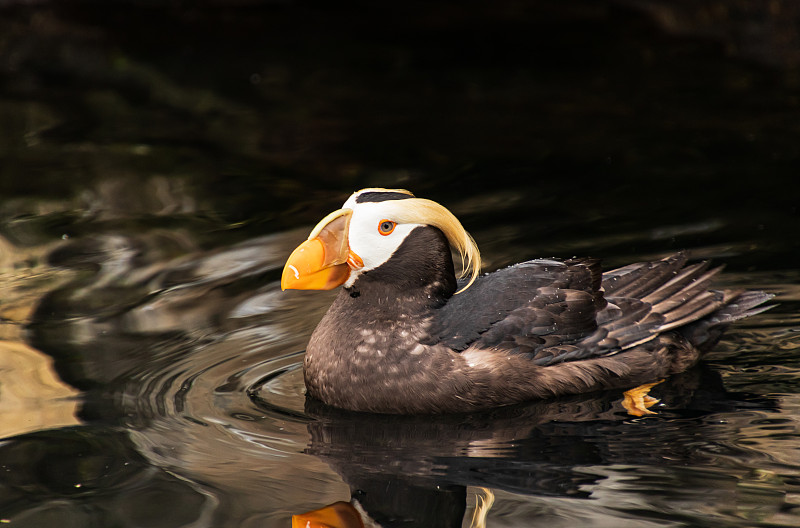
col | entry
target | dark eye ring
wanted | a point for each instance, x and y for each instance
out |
(385, 227)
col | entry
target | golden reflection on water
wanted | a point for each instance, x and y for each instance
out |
(32, 397)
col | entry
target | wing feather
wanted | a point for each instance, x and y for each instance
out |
(531, 298)
(558, 311)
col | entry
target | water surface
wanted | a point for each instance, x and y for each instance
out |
(152, 187)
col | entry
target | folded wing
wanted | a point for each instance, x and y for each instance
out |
(553, 311)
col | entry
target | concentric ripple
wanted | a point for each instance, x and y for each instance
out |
(236, 384)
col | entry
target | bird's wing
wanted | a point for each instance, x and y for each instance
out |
(643, 300)
(554, 312)
(532, 304)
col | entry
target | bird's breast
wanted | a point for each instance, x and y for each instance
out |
(375, 366)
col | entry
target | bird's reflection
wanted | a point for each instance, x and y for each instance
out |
(415, 470)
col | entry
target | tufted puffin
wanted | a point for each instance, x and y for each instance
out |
(406, 336)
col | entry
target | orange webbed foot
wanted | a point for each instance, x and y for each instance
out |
(637, 402)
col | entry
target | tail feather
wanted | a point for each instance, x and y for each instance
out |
(689, 279)
(743, 305)
(695, 309)
(637, 280)
(649, 298)
(705, 332)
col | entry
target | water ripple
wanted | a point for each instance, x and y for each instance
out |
(197, 361)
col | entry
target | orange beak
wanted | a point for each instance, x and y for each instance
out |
(321, 262)
(337, 515)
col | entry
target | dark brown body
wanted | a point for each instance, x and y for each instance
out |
(402, 343)
(382, 373)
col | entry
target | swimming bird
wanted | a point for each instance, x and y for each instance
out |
(406, 336)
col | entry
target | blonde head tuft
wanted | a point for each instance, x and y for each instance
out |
(428, 212)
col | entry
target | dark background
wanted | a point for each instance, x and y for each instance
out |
(599, 110)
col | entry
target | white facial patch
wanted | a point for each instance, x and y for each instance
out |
(364, 238)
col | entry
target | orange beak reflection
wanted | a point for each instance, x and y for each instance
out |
(321, 262)
(337, 515)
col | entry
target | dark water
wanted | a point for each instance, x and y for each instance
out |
(159, 161)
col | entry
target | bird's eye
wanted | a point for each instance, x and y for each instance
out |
(385, 227)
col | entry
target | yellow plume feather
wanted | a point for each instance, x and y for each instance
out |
(428, 212)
